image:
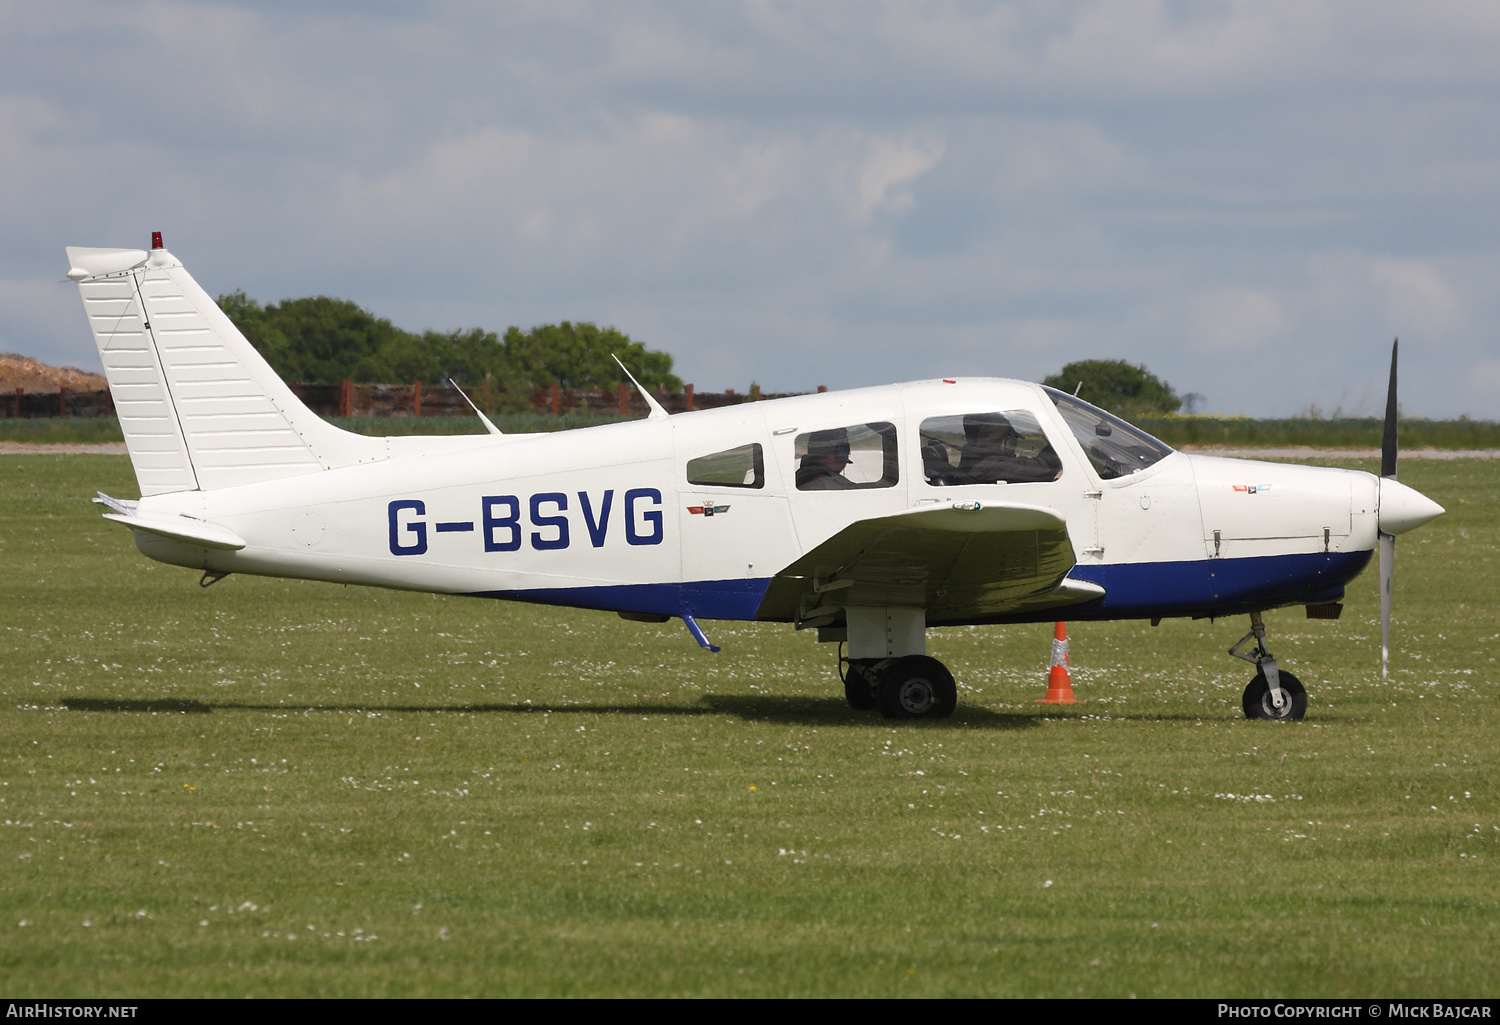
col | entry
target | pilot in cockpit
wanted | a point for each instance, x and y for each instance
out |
(822, 467)
(990, 454)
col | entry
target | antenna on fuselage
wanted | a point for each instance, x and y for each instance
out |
(487, 425)
(657, 412)
(1078, 389)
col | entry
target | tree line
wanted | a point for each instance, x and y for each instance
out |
(320, 340)
(324, 340)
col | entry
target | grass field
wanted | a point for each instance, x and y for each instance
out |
(277, 788)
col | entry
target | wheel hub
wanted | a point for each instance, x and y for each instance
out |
(917, 696)
(1272, 712)
(915, 687)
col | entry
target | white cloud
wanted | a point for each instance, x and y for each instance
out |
(1237, 320)
(1153, 44)
(1060, 160)
(887, 165)
(1417, 297)
(1483, 378)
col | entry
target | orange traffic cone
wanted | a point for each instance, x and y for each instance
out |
(1059, 681)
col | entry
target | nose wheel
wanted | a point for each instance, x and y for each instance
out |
(1257, 699)
(1272, 694)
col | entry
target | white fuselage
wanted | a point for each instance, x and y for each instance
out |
(606, 517)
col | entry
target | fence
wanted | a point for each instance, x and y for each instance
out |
(63, 402)
(347, 398)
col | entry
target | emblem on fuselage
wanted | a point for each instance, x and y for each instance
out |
(708, 510)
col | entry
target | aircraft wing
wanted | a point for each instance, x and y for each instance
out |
(960, 560)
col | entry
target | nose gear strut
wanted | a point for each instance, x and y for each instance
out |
(1261, 658)
(1274, 693)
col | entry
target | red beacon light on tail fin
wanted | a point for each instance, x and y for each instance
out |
(156, 240)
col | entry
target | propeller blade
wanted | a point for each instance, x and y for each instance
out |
(1388, 442)
(1388, 541)
(1387, 577)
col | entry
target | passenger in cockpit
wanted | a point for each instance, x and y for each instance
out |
(822, 467)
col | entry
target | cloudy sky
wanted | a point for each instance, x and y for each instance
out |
(1250, 198)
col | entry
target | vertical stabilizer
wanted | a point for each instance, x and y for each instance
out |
(199, 407)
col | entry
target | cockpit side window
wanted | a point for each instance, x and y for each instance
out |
(987, 448)
(848, 458)
(742, 467)
(1114, 447)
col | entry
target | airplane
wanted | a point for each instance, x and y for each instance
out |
(868, 515)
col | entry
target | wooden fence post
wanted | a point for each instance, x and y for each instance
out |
(346, 398)
(624, 399)
(416, 402)
(556, 399)
(687, 392)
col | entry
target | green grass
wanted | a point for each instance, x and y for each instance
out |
(281, 789)
(1174, 430)
(61, 430)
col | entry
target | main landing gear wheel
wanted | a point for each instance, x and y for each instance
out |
(916, 687)
(1257, 699)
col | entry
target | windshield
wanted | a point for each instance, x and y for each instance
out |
(1114, 447)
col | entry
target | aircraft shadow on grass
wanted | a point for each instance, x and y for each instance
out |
(800, 711)
(794, 711)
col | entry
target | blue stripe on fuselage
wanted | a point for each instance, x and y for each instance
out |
(704, 599)
(1215, 587)
(1141, 590)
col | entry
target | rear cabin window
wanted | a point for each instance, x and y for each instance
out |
(1114, 447)
(742, 467)
(847, 458)
(987, 448)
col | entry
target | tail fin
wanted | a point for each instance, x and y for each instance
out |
(200, 408)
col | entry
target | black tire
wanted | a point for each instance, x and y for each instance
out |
(859, 684)
(859, 694)
(916, 687)
(1257, 699)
